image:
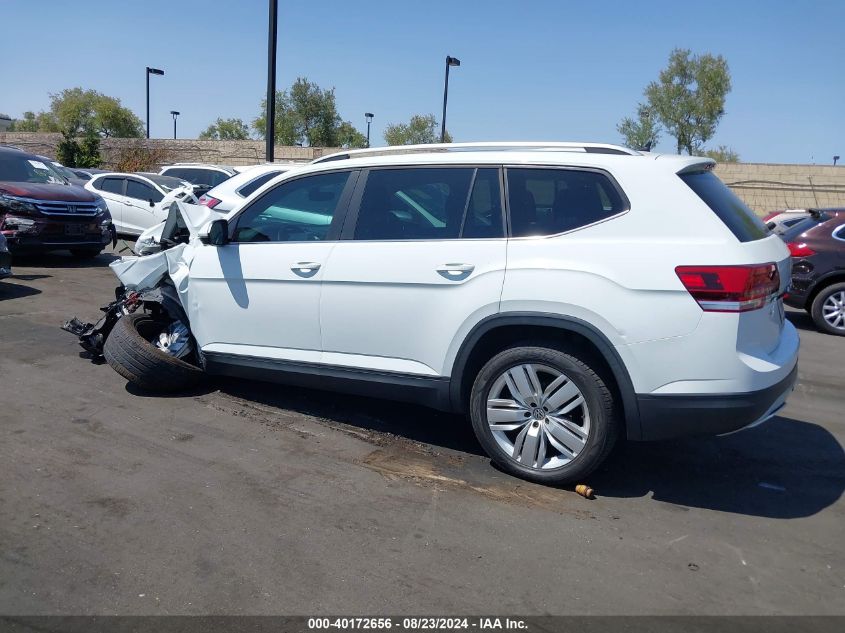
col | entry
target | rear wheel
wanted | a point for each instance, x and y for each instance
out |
(828, 309)
(543, 414)
(85, 253)
(132, 352)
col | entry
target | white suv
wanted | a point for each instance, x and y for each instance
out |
(560, 294)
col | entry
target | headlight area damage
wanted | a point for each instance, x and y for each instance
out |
(144, 334)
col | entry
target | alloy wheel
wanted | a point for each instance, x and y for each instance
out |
(538, 416)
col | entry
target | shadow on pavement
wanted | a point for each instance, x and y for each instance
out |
(411, 422)
(62, 260)
(801, 320)
(16, 291)
(783, 469)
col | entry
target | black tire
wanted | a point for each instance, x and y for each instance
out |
(85, 253)
(604, 424)
(817, 305)
(131, 354)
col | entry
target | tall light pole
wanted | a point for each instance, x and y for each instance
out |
(270, 125)
(450, 61)
(835, 159)
(175, 114)
(150, 71)
(369, 116)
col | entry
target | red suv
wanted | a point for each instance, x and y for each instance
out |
(40, 211)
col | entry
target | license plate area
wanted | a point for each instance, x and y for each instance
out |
(75, 230)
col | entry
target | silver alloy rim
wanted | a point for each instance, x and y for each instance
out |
(833, 310)
(538, 416)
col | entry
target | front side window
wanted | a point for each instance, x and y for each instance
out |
(298, 210)
(142, 191)
(551, 201)
(414, 204)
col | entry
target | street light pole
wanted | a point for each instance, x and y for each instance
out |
(369, 116)
(270, 126)
(450, 61)
(150, 71)
(175, 114)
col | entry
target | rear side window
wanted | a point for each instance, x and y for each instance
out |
(111, 185)
(732, 211)
(210, 177)
(253, 185)
(551, 201)
(414, 204)
(142, 191)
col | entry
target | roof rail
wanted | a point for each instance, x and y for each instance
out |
(590, 148)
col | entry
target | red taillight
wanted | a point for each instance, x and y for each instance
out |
(730, 288)
(799, 249)
(209, 201)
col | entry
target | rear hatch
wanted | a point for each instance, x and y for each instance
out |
(751, 284)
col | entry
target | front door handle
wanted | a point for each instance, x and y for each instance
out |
(457, 272)
(305, 269)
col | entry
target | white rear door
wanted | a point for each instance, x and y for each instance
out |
(421, 261)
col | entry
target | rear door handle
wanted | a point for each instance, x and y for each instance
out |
(305, 269)
(455, 271)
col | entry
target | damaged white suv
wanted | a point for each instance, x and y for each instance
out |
(560, 294)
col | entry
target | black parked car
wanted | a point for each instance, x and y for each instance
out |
(817, 245)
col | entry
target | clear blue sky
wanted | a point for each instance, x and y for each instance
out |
(531, 69)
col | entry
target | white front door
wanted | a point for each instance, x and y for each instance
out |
(425, 262)
(259, 295)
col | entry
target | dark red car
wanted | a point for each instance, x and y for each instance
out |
(40, 211)
(817, 245)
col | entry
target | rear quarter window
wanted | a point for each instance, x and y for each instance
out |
(732, 211)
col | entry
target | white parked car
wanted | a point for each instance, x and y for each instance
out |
(781, 221)
(562, 295)
(137, 201)
(222, 198)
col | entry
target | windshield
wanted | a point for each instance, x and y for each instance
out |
(25, 168)
(64, 171)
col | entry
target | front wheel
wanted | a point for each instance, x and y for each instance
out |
(543, 414)
(828, 309)
(136, 350)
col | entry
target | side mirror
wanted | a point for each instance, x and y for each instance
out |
(152, 204)
(218, 233)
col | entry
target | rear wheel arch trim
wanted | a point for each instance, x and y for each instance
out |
(552, 322)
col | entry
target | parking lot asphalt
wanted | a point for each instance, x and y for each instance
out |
(249, 498)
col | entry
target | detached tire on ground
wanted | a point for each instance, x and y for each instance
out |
(543, 414)
(130, 352)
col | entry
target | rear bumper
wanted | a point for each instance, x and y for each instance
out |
(667, 416)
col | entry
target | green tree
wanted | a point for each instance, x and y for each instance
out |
(71, 153)
(421, 129)
(643, 132)
(348, 136)
(81, 112)
(226, 130)
(722, 154)
(307, 115)
(689, 97)
(31, 122)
